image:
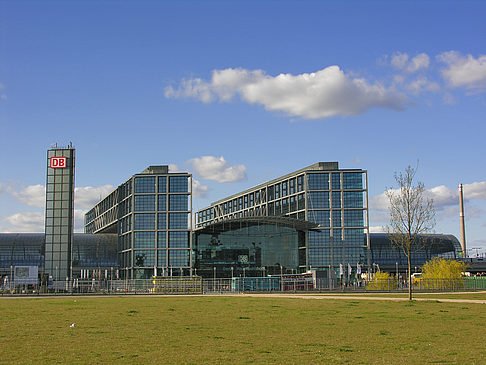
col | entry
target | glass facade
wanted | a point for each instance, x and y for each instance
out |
(153, 223)
(59, 212)
(321, 193)
(250, 250)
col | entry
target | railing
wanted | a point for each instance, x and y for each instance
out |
(198, 285)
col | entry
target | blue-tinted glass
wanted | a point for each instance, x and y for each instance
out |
(161, 258)
(178, 220)
(353, 199)
(322, 238)
(319, 216)
(318, 181)
(319, 256)
(161, 240)
(144, 240)
(336, 218)
(353, 237)
(336, 199)
(336, 181)
(144, 221)
(144, 203)
(179, 239)
(178, 202)
(353, 218)
(318, 200)
(162, 203)
(352, 180)
(178, 184)
(145, 184)
(144, 258)
(162, 184)
(178, 258)
(162, 221)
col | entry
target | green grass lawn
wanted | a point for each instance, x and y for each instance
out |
(239, 330)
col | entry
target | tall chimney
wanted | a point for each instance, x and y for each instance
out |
(463, 228)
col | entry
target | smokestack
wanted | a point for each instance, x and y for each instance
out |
(463, 228)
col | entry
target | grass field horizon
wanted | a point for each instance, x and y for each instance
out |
(240, 330)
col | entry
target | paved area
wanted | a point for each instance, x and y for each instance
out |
(367, 297)
(280, 295)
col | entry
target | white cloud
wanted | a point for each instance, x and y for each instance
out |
(401, 61)
(84, 197)
(464, 71)
(88, 196)
(422, 84)
(217, 169)
(326, 93)
(476, 190)
(32, 195)
(199, 190)
(27, 222)
(443, 197)
(174, 168)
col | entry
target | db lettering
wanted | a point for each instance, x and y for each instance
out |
(58, 162)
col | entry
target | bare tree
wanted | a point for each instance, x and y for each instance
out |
(412, 214)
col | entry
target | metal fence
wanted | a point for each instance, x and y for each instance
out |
(198, 285)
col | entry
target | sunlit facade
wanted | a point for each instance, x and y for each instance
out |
(59, 222)
(151, 213)
(333, 199)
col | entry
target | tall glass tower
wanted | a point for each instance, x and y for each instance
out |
(59, 212)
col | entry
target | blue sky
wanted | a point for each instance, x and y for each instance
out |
(241, 92)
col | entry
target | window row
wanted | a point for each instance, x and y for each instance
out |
(146, 221)
(175, 184)
(146, 258)
(147, 203)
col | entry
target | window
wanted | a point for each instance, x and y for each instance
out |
(162, 203)
(177, 220)
(284, 188)
(277, 191)
(318, 200)
(300, 183)
(144, 258)
(178, 184)
(245, 205)
(178, 258)
(162, 184)
(318, 181)
(161, 258)
(144, 203)
(162, 221)
(353, 199)
(292, 186)
(144, 240)
(336, 218)
(301, 201)
(353, 218)
(320, 217)
(251, 199)
(285, 206)
(271, 193)
(178, 202)
(161, 240)
(352, 180)
(336, 181)
(336, 199)
(145, 221)
(179, 239)
(145, 184)
(293, 203)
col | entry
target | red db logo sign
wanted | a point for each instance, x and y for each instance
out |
(58, 162)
